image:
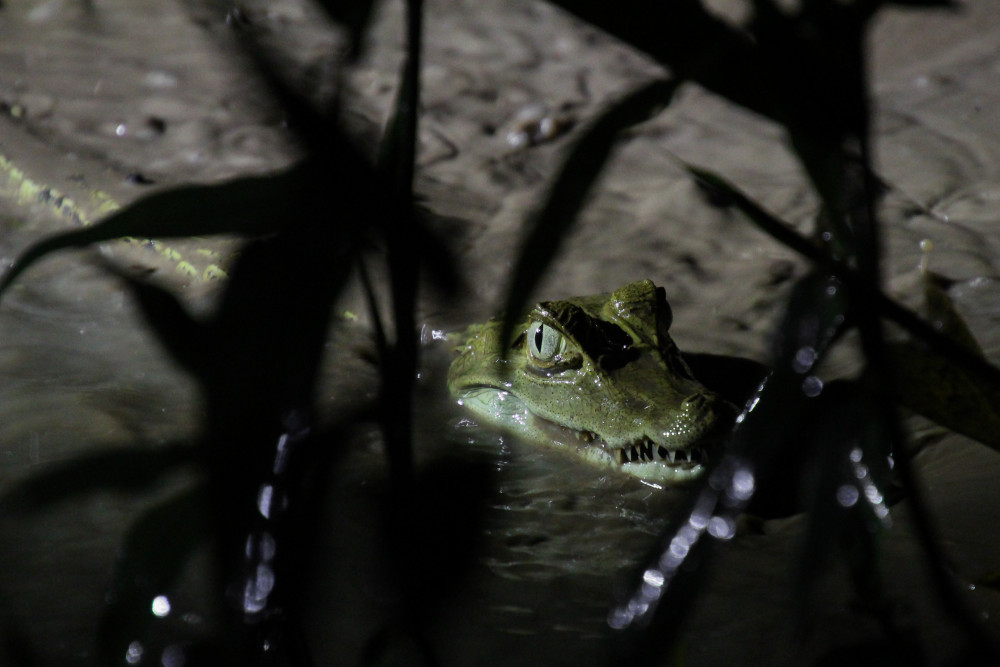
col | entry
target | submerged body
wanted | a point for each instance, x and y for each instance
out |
(600, 377)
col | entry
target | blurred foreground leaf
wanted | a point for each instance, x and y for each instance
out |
(257, 356)
(549, 224)
(247, 206)
(127, 469)
(397, 165)
(928, 383)
(939, 309)
(943, 376)
(766, 434)
(355, 15)
(843, 485)
(153, 554)
(769, 224)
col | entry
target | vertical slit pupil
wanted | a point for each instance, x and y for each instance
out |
(539, 337)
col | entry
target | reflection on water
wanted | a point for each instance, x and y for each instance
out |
(553, 540)
(551, 518)
(77, 368)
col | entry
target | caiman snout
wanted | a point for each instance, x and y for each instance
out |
(697, 402)
(715, 413)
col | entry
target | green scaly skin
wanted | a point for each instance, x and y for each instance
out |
(599, 377)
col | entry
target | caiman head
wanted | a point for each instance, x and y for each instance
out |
(599, 376)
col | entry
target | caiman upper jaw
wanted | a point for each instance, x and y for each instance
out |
(641, 456)
(666, 454)
(640, 450)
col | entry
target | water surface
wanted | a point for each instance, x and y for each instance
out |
(139, 87)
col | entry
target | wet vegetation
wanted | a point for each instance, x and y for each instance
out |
(261, 459)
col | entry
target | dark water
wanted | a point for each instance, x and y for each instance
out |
(147, 87)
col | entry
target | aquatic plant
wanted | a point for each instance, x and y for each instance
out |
(256, 355)
(804, 68)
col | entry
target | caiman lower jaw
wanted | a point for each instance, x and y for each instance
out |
(642, 457)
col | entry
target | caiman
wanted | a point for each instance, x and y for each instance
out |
(599, 377)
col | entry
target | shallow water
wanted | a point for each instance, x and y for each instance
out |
(142, 87)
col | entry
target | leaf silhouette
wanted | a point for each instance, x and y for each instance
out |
(548, 224)
(247, 206)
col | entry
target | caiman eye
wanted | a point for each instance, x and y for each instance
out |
(544, 342)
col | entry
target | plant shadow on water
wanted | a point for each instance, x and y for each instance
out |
(264, 458)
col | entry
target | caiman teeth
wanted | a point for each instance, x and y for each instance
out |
(644, 450)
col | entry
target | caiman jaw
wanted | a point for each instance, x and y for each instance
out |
(606, 372)
(642, 457)
(639, 450)
(684, 463)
